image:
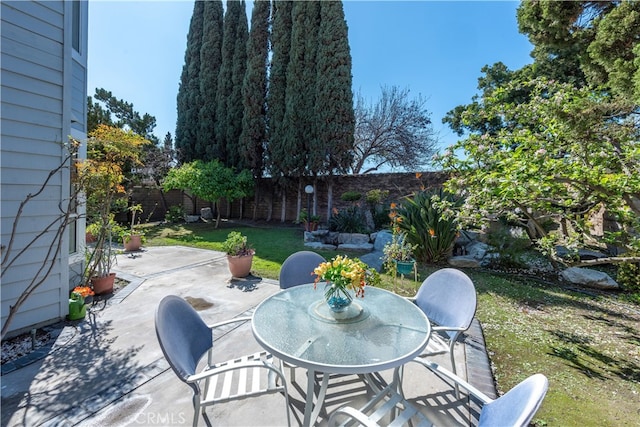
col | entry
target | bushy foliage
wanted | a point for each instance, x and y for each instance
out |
(351, 196)
(348, 220)
(629, 276)
(510, 249)
(379, 209)
(429, 222)
(175, 213)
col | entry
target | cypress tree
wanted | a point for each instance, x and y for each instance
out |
(210, 62)
(331, 150)
(219, 148)
(254, 89)
(235, 108)
(299, 117)
(188, 99)
(280, 46)
(225, 81)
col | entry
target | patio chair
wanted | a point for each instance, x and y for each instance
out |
(516, 408)
(184, 339)
(448, 298)
(298, 268)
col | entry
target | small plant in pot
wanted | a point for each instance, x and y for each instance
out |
(239, 254)
(132, 238)
(310, 221)
(398, 253)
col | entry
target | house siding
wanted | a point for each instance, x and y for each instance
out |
(43, 87)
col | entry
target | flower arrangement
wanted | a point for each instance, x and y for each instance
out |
(343, 273)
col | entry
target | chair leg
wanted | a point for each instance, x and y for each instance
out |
(196, 410)
(453, 365)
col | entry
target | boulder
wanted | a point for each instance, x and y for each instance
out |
(382, 238)
(589, 278)
(353, 238)
(320, 246)
(373, 260)
(477, 250)
(206, 213)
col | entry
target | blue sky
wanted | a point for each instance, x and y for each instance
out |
(433, 48)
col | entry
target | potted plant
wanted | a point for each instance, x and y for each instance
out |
(239, 254)
(101, 177)
(310, 221)
(398, 255)
(132, 239)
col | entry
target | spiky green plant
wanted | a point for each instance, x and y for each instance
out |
(429, 222)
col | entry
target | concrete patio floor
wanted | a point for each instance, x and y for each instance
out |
(109, 370)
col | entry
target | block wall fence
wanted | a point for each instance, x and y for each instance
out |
(271, 203)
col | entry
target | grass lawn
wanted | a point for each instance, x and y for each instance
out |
(588, 345)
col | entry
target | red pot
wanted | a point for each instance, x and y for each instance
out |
(103, 285)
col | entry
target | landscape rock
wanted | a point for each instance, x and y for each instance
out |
(373, 260)
(206, 213)
(353, 238)
(590, 278)
(477, 250)
(320, 246)
(382, 238)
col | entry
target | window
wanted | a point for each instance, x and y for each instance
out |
(75, 25)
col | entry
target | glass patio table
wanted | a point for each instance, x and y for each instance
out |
(378, 332)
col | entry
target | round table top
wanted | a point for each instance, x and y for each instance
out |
(380, 331)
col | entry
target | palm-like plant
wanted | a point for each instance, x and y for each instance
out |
(429, 222)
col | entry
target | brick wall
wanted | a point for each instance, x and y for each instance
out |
(267, 202)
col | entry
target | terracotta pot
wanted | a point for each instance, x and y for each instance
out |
(103, 285)
(240, 266)
(132, 243)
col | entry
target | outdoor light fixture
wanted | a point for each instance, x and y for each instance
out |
(309, 190)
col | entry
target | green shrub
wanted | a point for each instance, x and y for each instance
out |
(174, 214)
(351, 196)
(629, 276)
(429, 221)
(510, 249)
(348, 220)
(376, 200)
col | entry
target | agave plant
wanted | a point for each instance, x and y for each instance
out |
(429, 222)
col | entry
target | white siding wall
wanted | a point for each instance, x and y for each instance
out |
(40, 82)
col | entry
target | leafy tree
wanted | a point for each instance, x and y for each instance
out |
(254, 90)
(188, 99)
(395, 131)
(158, 161)
(331, 150)
(583, 42)
(281, 45)
(210, 62)
(574, 153)
(210, 181)
(127, 117)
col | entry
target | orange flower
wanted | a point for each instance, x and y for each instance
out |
(418, 175)
(83, 291)
(432, 232)
(393, 205)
